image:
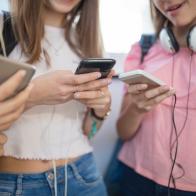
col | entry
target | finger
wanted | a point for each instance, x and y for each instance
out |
(111, 74)
(84, 78)
(134, 89)
(94, 85)
(9, 87)
(160, 98)
(17, 101)
(156, 91)
(99, 101)
(3, 139)
(4, 127)
(138, 97)
(66, 90)
(13, 116)
(89, 94)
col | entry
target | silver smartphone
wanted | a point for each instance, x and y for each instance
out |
(9, 67)
(141, 77)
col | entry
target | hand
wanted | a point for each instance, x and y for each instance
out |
(57, 87)
(145, 100)
(12, 107)
(96, 95)
(3, 140)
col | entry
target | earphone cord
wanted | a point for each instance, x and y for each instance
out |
(176, 149)
(188, 98)
(177, 135)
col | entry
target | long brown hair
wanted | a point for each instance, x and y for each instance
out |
(158, 18)
(83, 23)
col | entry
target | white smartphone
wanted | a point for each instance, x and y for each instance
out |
(141, 77)
(9, 67)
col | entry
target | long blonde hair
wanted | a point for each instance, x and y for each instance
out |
(28, 25)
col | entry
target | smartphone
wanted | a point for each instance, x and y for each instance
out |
(101, 65)
(9, 67)
(141, 77)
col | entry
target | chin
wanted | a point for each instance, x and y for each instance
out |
(181, 22)
(63, 10)
(64, 7)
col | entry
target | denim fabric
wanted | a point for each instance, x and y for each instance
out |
(133, 184)
(114, 172)
(83, 179)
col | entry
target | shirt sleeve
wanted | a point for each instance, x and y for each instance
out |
(132, 60)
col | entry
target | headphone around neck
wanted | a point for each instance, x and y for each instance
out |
(169, 42)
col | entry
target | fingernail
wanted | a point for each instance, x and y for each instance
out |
(144, 85)
(99, 75)
(76, 95)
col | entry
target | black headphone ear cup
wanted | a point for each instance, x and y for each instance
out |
(168, 40)
(191, 38)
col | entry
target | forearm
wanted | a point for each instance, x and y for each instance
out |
(91, 124)
(129, 122)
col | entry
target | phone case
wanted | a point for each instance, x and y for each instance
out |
(96, 65)
(9, 68)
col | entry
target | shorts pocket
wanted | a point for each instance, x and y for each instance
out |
(86, 171)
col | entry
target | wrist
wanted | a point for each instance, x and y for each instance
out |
(100, 115)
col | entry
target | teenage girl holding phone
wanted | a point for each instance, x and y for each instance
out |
(48, 152)
(146, 122)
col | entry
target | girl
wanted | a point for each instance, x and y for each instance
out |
(146, 120)
(47, 152)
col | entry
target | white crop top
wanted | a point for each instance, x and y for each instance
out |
(49, 132)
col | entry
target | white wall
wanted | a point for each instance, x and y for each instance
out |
(3, 5)
(122, 22)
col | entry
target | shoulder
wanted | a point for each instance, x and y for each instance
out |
(156, 52)
(133, 59)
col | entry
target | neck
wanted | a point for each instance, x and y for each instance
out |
(180, 34)
(53, 18)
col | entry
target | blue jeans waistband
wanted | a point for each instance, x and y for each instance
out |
(81, 177)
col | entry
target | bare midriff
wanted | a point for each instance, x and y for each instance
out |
(13, 165)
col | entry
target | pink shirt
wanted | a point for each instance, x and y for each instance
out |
(148, 151)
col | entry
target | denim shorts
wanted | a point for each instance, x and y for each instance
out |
(83, 179)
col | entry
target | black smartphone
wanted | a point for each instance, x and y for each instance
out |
(101, 65)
